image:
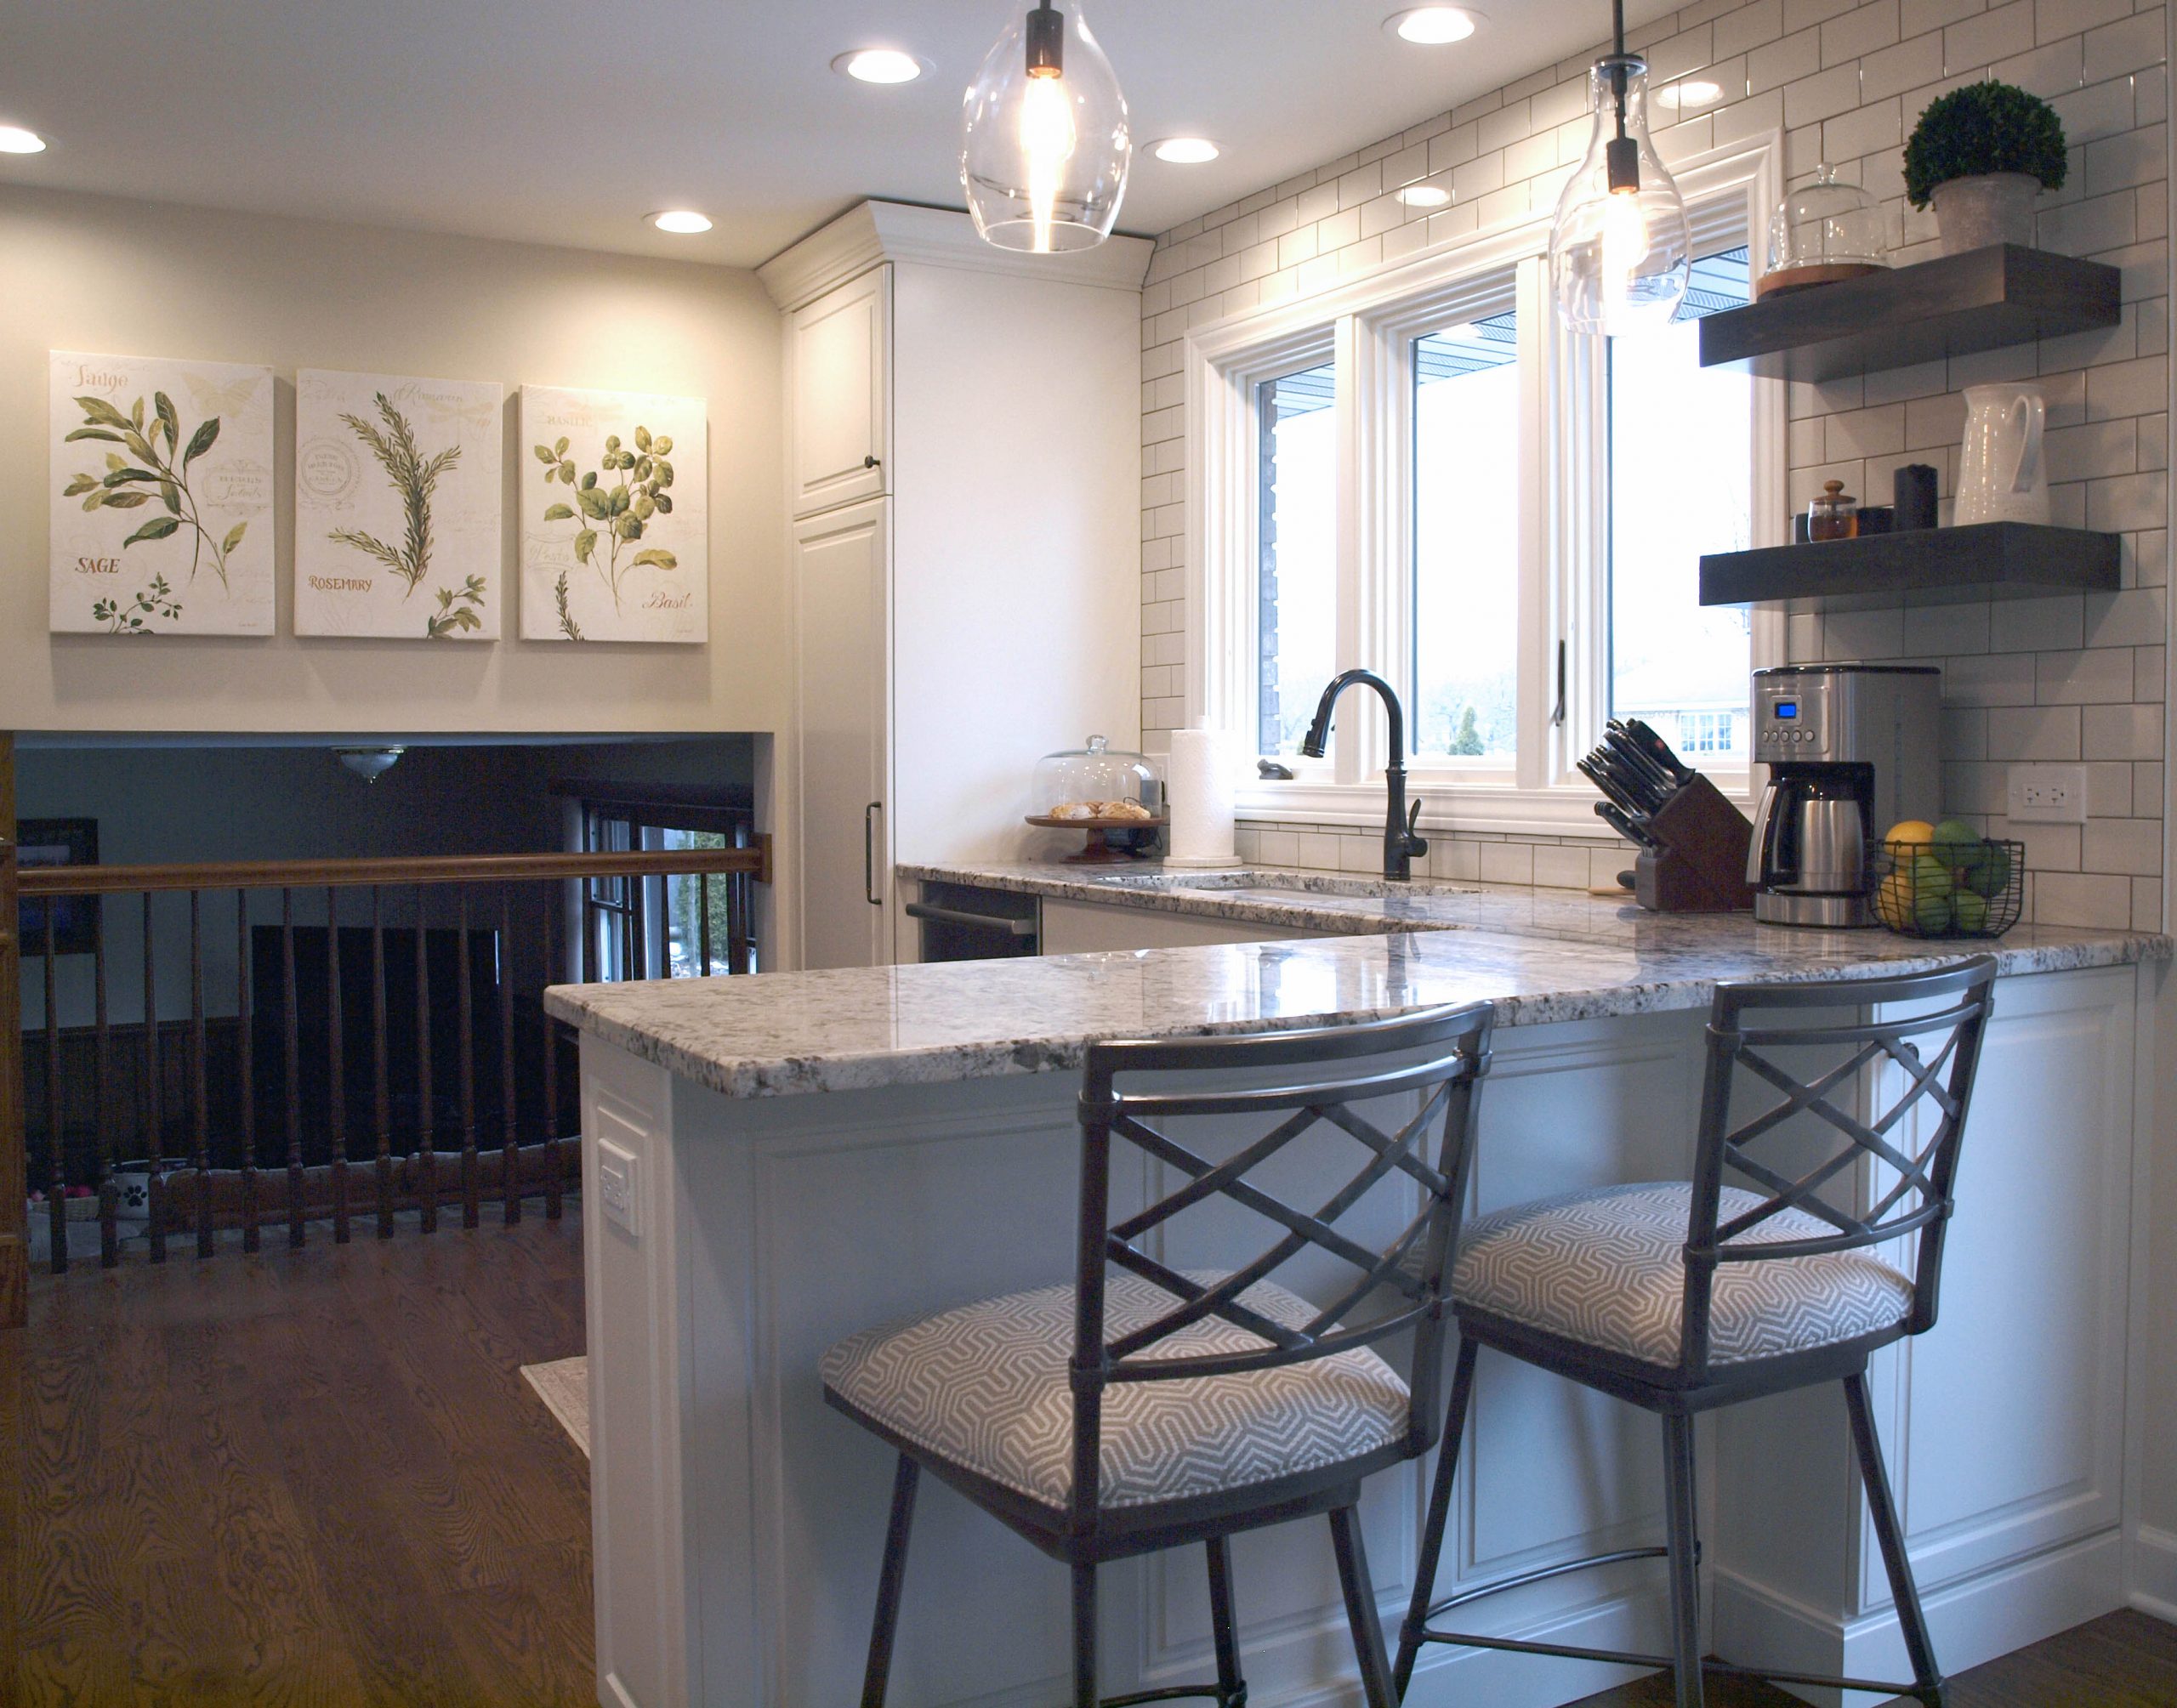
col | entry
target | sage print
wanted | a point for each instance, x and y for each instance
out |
(414, 477)
(157, 601)
(397, 496)
(122, 484)
(158, 496)
(614, 530)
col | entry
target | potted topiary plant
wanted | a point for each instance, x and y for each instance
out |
(1982, 154)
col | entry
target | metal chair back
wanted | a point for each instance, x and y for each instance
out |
(1446, 1077)
(1937, 1049)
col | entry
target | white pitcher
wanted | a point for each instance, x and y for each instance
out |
(2001, 476)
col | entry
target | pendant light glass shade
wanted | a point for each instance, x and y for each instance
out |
(1620, 250)
(1044, 145)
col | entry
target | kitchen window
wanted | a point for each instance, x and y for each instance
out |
(1419, 472)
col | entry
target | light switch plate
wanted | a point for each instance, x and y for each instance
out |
(2047, 795)
(619, 1186)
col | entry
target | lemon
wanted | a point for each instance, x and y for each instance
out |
(1893, 901)
(1914, 832)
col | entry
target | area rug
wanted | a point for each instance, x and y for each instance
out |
(564, 1386)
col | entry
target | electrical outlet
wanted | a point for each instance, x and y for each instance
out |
(619, 1186)
(2047, 795)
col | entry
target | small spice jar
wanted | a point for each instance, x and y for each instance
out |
(1835, 514)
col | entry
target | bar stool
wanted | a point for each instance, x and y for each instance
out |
(1151, 1408)
(1683, 1296)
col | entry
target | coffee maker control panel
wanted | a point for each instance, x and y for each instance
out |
(1791, 720)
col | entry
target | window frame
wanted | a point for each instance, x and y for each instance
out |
(1365, 324)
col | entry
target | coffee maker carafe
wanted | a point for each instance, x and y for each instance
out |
(1851, 749)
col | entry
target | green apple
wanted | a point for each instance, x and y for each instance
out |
(1992, 876)
(1972, 910)
(1931, 876)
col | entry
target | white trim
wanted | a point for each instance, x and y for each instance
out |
(874, 231)
(1367, 319)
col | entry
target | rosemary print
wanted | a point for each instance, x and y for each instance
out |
(414, 478)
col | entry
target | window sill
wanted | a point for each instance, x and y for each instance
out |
(1471, 808)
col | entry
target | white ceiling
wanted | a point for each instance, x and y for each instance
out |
(565, 120)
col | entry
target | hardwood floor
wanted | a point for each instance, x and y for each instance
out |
(313, 1478)
(318, 1479)
(2122, 1661)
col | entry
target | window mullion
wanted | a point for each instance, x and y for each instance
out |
(1536, 686)
(1359, 749)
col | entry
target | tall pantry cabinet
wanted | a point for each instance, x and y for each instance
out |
(963, 488)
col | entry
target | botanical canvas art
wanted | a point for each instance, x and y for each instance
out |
(614, 526)
(397, 506)
(161, 519)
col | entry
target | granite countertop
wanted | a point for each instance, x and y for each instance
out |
(1541, 956)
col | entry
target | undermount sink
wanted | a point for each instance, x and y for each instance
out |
(1294, 885)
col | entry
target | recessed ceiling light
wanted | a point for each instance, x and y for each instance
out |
(1184, 151)
(1425, 195)
(878, 65)
(1432, 26)
(1694, 92)
(14, 139)
(684, 221)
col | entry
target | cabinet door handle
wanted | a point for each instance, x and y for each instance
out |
(869, 853)
(869, 462)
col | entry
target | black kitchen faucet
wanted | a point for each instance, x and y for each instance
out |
(1400, 845)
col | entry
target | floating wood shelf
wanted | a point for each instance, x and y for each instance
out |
(1986, 560)
(1979, 300)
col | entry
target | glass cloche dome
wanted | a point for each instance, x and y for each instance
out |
(1095, 783)
(1823, 232)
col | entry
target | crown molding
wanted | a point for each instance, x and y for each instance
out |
(874, 231)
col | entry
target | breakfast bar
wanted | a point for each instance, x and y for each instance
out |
(773, 1163)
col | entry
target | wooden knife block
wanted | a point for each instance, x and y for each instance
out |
(1701, 865)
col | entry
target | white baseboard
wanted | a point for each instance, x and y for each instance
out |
(1971, 1622)
(2152, 1578)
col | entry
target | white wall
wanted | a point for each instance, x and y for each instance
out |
(99, 274)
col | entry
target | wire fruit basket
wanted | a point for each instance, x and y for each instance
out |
(1949, 888)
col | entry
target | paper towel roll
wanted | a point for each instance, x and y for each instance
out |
(1199, 786)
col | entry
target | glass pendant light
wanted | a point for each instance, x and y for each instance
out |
(1620, 249)
(1044, 147)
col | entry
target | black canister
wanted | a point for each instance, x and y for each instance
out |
(1914, 488)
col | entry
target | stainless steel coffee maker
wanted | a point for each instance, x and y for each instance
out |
(1851, 749)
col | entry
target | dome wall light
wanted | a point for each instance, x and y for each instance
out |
(880, 65)
(1620, 249)
(14, 139)
(1425, 195)
(1045, 148)
(1185, 150)
(1692, 94)
(683, 221)
(370, 763)
(1435, 26)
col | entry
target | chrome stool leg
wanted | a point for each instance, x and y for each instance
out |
(1231, 1687)
(1439, 1512)
(889, 1578)
(1685, 1559)
(1926, 1675)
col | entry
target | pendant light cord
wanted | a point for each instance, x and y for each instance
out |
(1618, 70)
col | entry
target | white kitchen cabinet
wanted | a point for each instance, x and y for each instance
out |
(970, 599)
(842, 718)
(1078, 928)
(840, 375)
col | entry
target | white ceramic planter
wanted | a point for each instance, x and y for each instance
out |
(1995, 208)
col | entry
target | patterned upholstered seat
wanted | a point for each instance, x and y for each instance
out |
(984, 1386)
(1607, 1268)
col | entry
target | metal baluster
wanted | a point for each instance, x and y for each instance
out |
(56, 1191)
(199, 1076)
(291, 1016)
(427, 1166)
(382, 1095)
(466, 996)
(554, 971)
(336, 1066)
(102, 1104)
(154, 1091)
(511, 1185)
(638, 956)
(703, 913)
(740, 947)
(246, 1056)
